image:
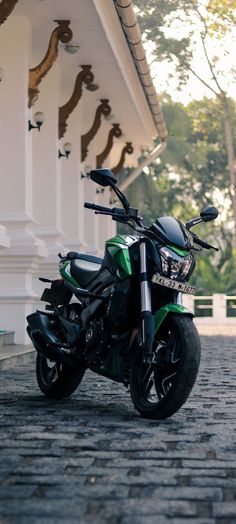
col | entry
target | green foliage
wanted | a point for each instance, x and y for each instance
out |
(193, 166)
(185, 179)
(222, 15)
(194, 169)
(209, 278)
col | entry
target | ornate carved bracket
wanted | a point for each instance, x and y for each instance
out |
(6, 7)
(62, 33)
(103, 109)
(85, 76)
(114, 132)
(127, 149)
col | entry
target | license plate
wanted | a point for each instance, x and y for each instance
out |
(173, 284)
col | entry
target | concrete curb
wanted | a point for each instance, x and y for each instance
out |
(11, 355)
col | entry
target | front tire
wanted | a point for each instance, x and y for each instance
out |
(56, 380)
(159, 389)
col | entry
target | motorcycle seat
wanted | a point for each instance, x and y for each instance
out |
(84, 268)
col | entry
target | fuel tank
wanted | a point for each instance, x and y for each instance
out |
(120, 247)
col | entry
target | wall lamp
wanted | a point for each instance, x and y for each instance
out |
(109, 117)
(72, 48)
(86, 172)
(92, 87)
(39, 120)
(67, 148)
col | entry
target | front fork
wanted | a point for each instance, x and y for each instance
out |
(147, 318)
(179, 298)
(148, 326)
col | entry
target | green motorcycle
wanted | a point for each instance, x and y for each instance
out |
(122, 316)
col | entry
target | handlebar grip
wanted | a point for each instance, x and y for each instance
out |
(89, 205)
(96, 207)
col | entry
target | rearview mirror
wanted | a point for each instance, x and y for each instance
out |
(209, 213)
(103, 177)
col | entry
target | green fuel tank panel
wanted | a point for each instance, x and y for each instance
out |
(118, 248)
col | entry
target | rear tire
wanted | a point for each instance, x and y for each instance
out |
(56, 380)
(159, 390)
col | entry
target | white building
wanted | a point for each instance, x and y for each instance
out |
(81, 63)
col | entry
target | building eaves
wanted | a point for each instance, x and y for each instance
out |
(133, 36)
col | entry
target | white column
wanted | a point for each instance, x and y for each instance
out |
(47, 198)
(91, 223)
(4, 238)
(20, 261)
(73, 187)
(106, 226)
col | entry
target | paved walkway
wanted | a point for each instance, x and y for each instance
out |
(92, 459)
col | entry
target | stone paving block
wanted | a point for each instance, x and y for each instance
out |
(53, 479)
(90, 490)
(127, 462)
(193, 521)
(7, 493)
(92, 458)
(146, 520)
(43, 520)
(154, 507)
(6, 443)
(213, 482)
(43, 508)
(4, 475)
(189, 493)
(137, 478)
(217, 464)
(45, 435)
(30, 452)
(224, 509)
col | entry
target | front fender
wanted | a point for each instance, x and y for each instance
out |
(170, 308)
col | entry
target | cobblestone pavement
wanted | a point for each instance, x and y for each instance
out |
(92, 458)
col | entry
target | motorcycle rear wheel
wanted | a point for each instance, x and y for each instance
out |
(159, 390)
(56, 380)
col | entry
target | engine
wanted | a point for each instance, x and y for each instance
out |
(95, 348)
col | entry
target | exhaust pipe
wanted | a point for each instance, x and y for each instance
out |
(46, 342)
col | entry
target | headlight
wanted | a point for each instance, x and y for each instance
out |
(176, 266)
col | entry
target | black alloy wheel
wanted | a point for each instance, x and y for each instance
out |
(56, 380)
(159, 389)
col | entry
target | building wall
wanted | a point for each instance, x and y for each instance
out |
(41, 197)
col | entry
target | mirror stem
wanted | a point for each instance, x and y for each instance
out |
(193, 222)
(121, 197)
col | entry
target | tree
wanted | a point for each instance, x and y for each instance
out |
(176, 29)
(191, 173)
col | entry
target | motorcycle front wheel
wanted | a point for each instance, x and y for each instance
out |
(56, 380)
(159, 389)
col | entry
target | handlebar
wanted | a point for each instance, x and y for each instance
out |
(118, 213)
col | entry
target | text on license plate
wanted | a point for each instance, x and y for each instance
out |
(173, 284)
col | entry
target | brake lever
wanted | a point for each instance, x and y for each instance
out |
(203, 244)
(213, 247)
(208, 246)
